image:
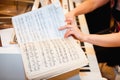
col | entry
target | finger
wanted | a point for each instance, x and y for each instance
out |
(68, 33)
(65, 27)
(69, 20)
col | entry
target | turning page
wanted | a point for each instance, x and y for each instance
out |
(45, 51)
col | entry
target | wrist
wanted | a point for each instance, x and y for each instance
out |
(72, 12)
(83, 37)
(75, 12)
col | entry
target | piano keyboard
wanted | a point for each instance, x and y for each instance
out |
(92, 67)
(71, 5)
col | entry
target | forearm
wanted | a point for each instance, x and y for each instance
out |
(107, 40)
(88, 6)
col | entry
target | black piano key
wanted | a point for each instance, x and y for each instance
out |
(84, 70)
(84, 49)
(82, 43)
(87, 66)
(74, 4)
(68, 5)
(77, 20)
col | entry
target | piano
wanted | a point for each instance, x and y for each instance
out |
(10, 52)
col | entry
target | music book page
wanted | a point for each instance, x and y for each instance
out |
(45, 51)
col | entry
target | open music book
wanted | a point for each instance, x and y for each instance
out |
(45, 51)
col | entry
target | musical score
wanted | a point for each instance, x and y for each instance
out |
(43, 47)
(53, 53)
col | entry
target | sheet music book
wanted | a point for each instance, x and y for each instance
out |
(45, 51)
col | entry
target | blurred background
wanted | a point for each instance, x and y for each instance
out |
(9, 8)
